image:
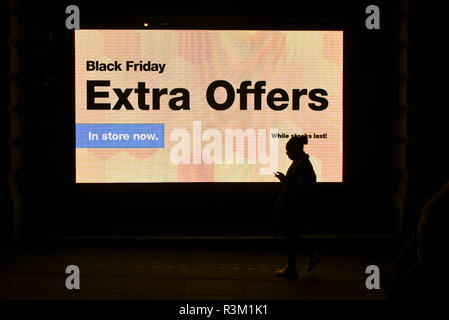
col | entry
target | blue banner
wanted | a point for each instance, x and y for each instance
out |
(120, 135)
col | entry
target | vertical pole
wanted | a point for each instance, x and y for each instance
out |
(400, 166)
(15, 110)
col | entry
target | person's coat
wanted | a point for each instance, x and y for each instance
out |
(294, 197)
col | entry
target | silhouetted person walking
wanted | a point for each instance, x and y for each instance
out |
(292, 203)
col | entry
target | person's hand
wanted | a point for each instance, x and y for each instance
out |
(280, 176)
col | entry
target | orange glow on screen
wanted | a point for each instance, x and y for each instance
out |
(148, 107)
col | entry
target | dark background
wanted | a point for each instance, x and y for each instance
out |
(55, 205)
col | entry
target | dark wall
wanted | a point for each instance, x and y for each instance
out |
(428, 157)
(55, 205)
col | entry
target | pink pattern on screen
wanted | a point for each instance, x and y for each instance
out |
(195, 45)
(194, 59)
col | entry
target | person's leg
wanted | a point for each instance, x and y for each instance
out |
(291, 250)
(303, 247)
(289, 271)
(312, 259)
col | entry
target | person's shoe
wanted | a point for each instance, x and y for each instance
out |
(287, 273)
(312, 262)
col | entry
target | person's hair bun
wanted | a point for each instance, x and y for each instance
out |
(297, 142)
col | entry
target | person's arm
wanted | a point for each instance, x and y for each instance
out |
(420, 236)
(302, 180)
(280, 176)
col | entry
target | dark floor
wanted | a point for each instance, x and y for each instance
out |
(38, 272)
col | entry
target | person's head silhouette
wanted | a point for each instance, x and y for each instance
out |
(295, 147)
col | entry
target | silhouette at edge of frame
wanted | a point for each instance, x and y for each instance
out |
(292, 203)
(418, 269)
